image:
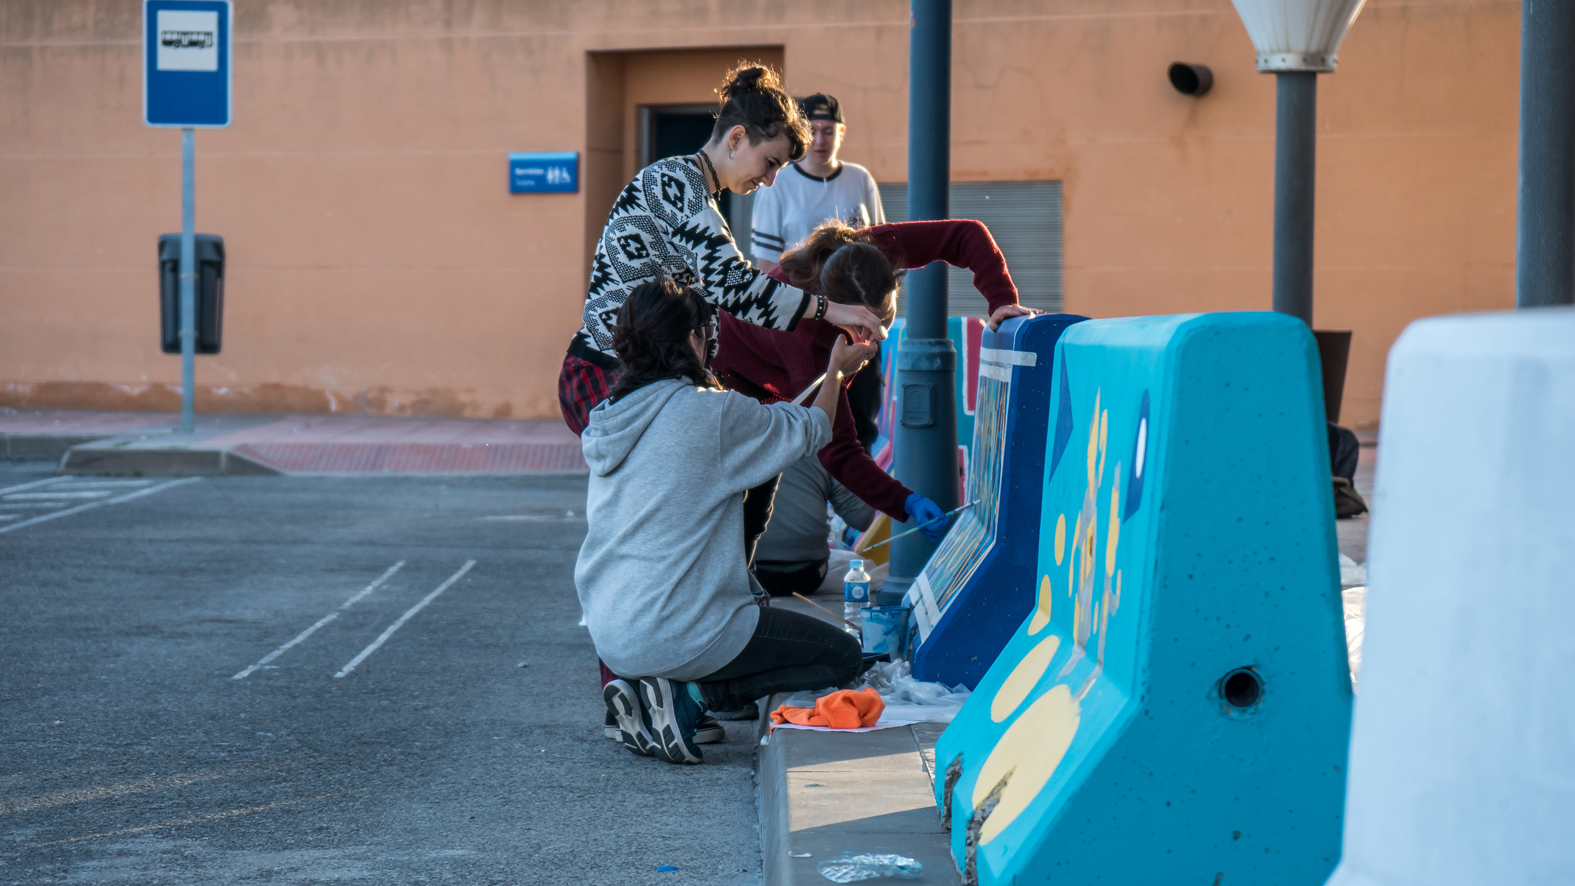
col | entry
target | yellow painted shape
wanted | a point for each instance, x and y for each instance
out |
(1093, 445)
(1030, 749)
(1060, 539)
(1104, 426)
(1114, 535)
(1042, 609)
(1023, 678)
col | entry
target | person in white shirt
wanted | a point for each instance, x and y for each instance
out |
(817, 189)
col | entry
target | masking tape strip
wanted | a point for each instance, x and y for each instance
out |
(923, 603)
(1009, 358)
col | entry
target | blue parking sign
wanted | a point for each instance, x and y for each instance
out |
(186, 63)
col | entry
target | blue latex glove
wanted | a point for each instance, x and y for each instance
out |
(921, 511)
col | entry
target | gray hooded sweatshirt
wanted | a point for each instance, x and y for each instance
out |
(661, 575)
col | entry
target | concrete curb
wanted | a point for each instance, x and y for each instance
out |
(42, 447)
(825, 793)
(99, 460)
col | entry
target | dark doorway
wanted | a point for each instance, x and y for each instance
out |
(677, 130)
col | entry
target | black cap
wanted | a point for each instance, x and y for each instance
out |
(821, 106)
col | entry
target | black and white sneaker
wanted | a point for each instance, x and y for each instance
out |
(623, 702)
(674, 717)
(610, 726)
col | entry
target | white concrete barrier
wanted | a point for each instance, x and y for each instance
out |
(1463, 747)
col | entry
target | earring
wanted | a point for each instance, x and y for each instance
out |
(730, 154)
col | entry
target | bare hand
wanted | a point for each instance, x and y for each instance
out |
(848, 358)
(1005, 311)
(859, 321)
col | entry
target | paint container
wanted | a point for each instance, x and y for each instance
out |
(886, 630)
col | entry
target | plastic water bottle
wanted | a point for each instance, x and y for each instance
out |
(855, 594)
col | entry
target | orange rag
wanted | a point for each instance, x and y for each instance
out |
(843, 709)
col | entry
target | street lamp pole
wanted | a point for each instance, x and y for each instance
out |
(1545, 211)
(1295, 165)
(1296, 40)
(926, 420)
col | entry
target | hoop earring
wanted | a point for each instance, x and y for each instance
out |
(731, 154)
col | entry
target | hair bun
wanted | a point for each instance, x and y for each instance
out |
(748, 77)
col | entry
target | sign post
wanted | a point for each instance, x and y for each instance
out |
(186, 85)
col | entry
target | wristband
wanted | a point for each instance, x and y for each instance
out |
(820, 307)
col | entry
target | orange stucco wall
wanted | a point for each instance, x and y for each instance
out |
(378, 263)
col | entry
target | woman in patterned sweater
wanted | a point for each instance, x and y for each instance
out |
(666, 223)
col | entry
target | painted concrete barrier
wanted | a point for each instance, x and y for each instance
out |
(1463, 752)
(979, 584)
(1176, 707)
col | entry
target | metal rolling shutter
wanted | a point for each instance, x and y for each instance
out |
(1025, 219)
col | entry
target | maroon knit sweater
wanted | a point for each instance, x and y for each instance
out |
(772, 365)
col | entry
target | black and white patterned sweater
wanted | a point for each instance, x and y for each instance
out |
(666, 223)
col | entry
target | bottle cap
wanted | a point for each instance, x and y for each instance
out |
(856, 564)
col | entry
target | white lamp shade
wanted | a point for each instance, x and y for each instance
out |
(1297, 35)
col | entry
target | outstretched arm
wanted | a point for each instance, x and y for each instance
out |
(962, 243)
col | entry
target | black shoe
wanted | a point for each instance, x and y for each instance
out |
(623, 702)
(749, 711)
(708, 731)
(674, 717)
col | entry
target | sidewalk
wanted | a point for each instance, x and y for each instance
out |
(151, 444)
(823, 794)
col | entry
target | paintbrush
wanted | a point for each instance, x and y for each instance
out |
(939, 519)
(850, 624)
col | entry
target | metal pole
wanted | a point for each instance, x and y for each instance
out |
(1545, 220)
(926, 434)
(188, 280)
(1295, 155)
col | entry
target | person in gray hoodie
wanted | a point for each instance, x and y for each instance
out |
(662, 576)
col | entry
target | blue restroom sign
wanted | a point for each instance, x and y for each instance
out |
(544, 173)
(186, 63)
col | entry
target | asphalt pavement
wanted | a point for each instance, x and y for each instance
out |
(439, 724)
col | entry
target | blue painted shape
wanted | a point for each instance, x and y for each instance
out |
(979, 584)
(1135, 462)
(186, 63)
(1064, 422)
(1100, 746)
(555, 172)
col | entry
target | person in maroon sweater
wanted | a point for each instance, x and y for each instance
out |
(851, 266)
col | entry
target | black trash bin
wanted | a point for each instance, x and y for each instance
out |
(209, 292)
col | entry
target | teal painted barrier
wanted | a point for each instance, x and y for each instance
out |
(1176, 707)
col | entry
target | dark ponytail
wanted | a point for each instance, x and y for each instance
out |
(651, 337)
(752, 97)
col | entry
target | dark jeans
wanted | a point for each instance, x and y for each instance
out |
(1344, 452)
(757, 513)
(789, 651)
(782, 578)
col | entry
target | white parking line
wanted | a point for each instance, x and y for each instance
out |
(63, 493)
(33, 485)
(100, 503)
(404, 618)
(34, 504)
(320, 622)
